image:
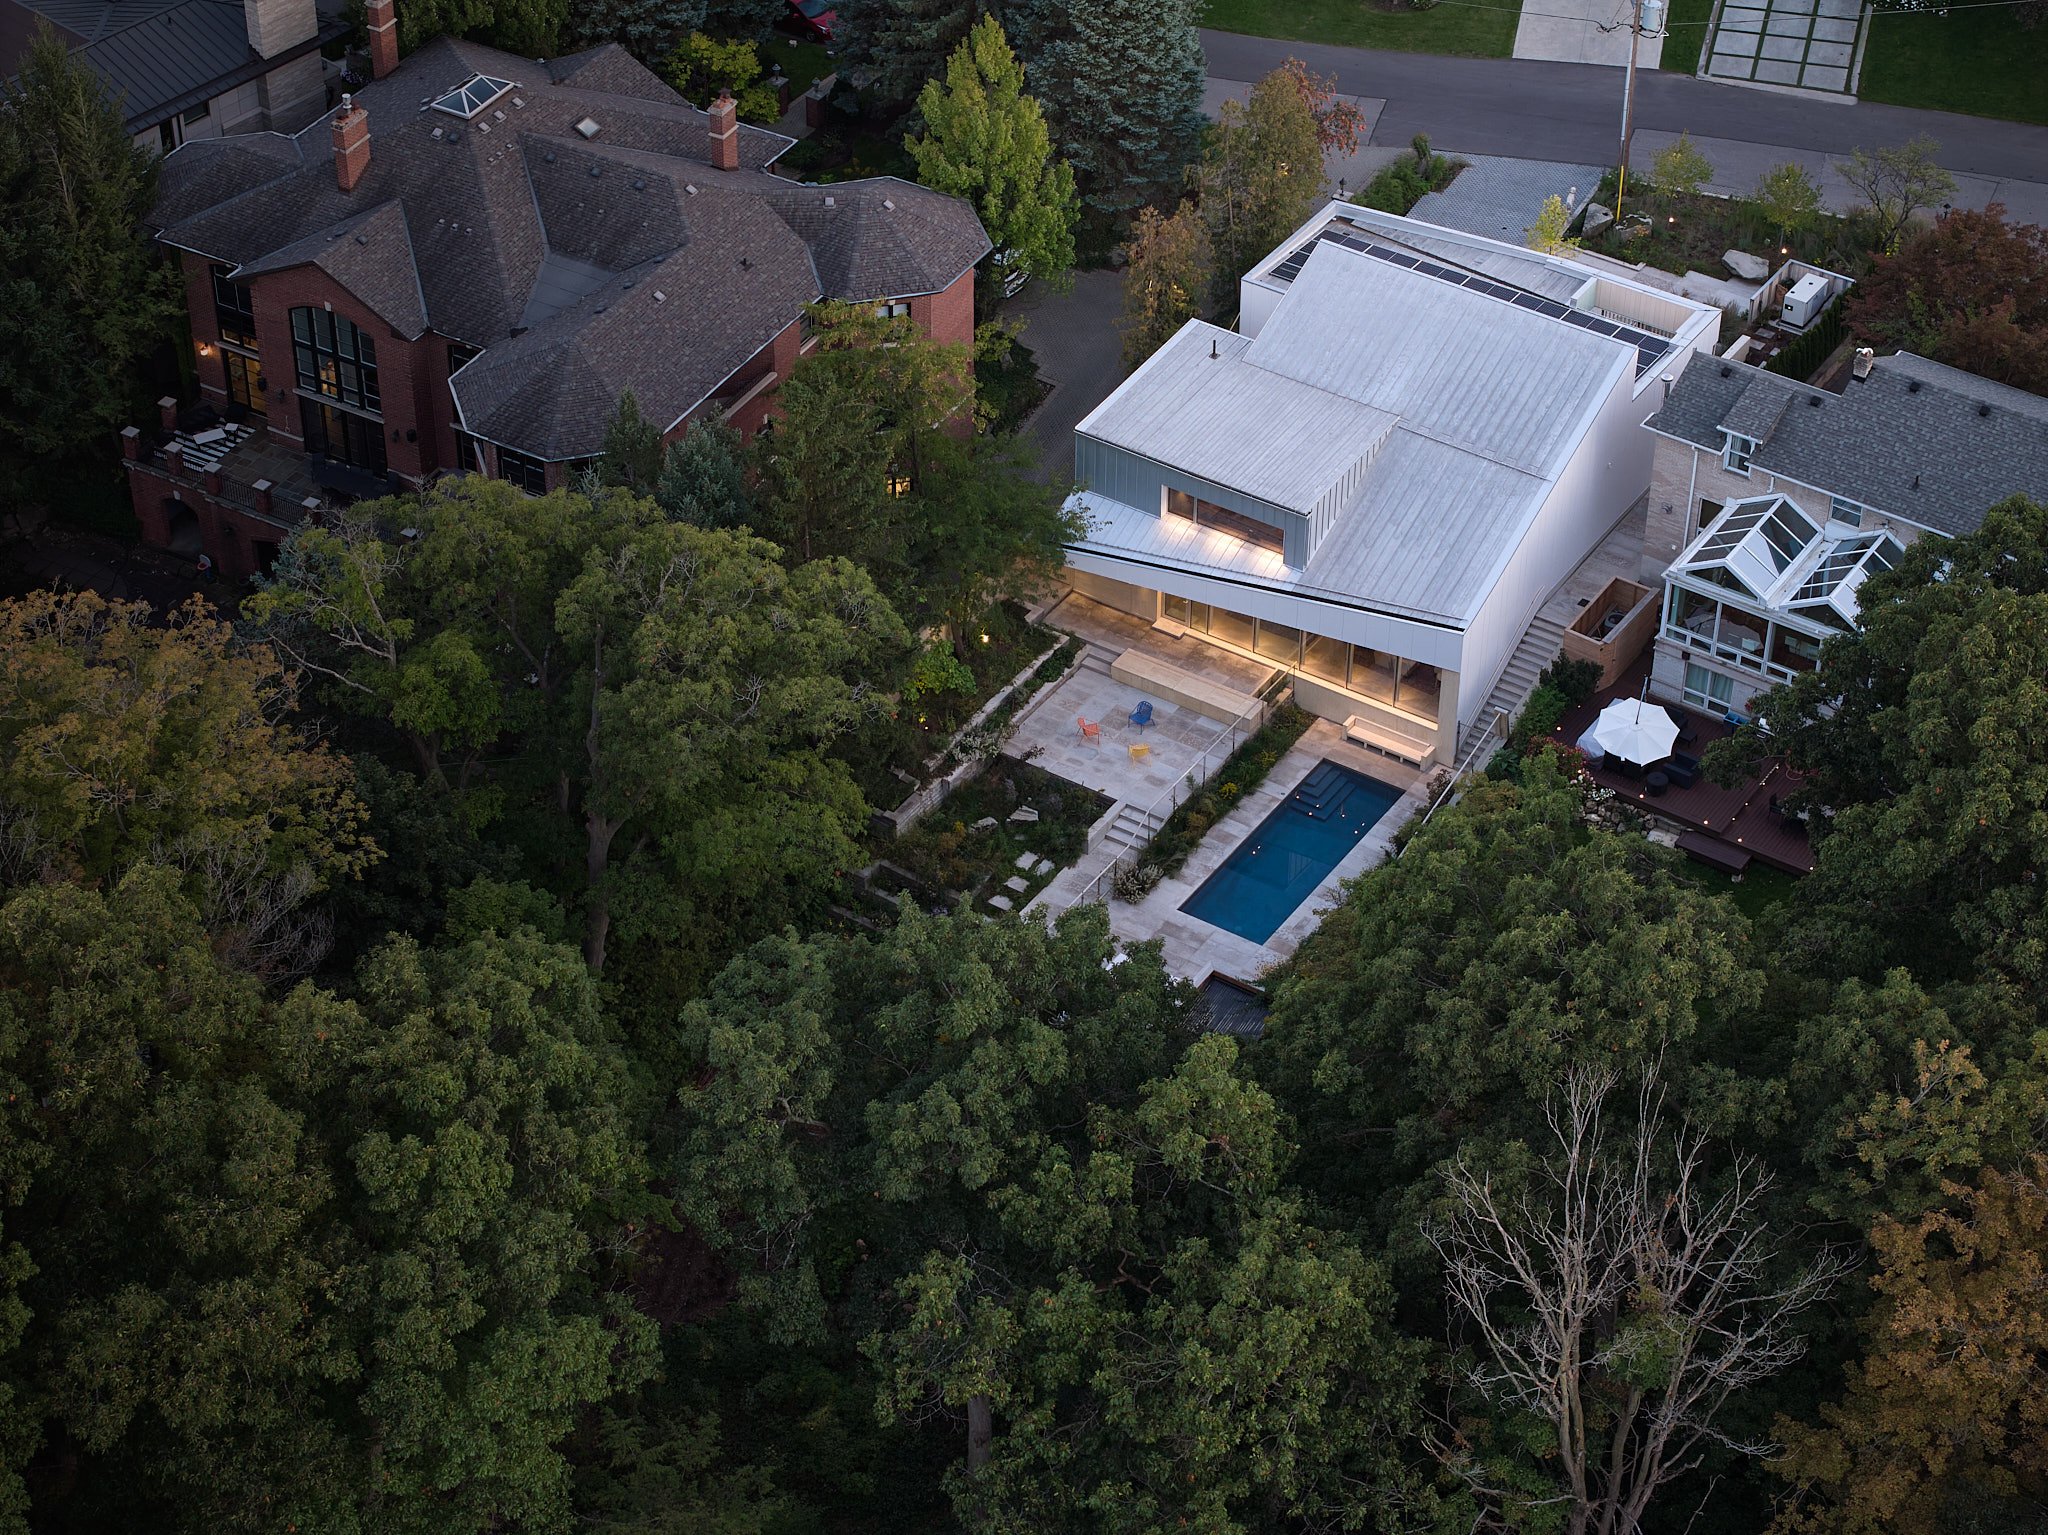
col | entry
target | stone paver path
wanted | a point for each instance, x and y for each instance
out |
(1809, 44)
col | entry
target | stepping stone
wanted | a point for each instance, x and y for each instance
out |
(1023, 815)
(1018, 883)
(986, 823)
(1024, 862)
(1042, 868)
(1002, 903)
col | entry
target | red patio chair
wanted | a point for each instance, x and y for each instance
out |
(1090, 730)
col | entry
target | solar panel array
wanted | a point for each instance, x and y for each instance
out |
(1649, 347)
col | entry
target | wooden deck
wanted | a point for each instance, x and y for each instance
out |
(1740, 818)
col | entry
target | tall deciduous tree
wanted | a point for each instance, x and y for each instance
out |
(124, 743)
(1261, 176)
(1621, 1305)
(1945, 1423)
(1972, 291)
(1457, 985)
(1166, 280)
(984, 140)
(1922, 733)
(83, 298)
(1897, 182)
(1121, 83)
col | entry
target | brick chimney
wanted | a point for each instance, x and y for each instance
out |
(725, 132)
(351, 144)
(382, 18)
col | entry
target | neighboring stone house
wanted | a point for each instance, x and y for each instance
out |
(1771, 501)
(192, 69)
(468, 266)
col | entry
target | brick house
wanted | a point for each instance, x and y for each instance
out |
(466, 266)
(1771, 501)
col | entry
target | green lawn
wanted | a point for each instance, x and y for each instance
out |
(802, 62)
(1980, 61)
(1687, 34)
(1479, 32)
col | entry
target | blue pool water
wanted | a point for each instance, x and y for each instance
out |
(1292, 851)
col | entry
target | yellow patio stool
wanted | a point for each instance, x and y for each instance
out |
(1139, 750)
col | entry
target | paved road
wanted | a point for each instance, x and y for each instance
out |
(1550, 111)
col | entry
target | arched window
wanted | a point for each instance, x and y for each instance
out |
(335, 359)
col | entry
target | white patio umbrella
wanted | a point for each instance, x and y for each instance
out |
(1633, 730)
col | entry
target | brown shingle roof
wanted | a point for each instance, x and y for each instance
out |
(455, 224)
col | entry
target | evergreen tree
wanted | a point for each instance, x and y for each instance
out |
(1121, 84)
(632, 454)
(648, 29)
(83, 297)
(905, 43)
(704, 479)
(985, 140)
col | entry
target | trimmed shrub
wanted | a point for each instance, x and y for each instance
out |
(1576, 680)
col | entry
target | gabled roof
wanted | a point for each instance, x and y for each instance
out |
(1916, 440)
(370, 254)
(508, 230)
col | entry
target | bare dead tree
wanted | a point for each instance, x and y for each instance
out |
(1623, 1297)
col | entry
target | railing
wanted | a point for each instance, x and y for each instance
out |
(1152, 818)
(1496, 731)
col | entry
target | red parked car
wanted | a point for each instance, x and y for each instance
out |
(813, 18)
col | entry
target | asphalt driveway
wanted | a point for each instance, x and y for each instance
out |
(1075, 339)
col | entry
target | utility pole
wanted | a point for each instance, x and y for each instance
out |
(1644, 16)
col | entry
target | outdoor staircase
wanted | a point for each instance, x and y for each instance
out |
(1538, 649)
(1132, 828)
(1095, 658)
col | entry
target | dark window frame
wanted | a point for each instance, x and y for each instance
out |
(234, 310)
(336, 359)
(530, 474)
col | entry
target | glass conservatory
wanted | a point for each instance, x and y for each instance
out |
(1749, 602)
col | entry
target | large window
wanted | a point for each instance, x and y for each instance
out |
(1710, 690)
(1413, 687)
(336, 359)
(1736, 450)
(342, 435)
(233, 310)
(1206, 514)
(245, 382)
(529, 474)
(1737, 636)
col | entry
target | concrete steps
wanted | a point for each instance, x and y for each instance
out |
(1132, 828)
(1538, 649)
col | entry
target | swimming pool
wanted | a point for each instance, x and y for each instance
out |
(1292, 851)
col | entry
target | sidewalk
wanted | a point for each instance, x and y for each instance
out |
(1583, 32)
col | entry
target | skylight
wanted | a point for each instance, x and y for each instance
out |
(470, 98)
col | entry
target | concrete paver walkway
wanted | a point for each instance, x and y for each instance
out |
(1582, 32)
(1808, 44)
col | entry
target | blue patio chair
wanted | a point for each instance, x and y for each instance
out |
(1142, 715)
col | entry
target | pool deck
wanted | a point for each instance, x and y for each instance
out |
(1195, 950)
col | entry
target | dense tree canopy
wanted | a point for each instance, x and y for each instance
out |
(83, 297)
(1970, 291)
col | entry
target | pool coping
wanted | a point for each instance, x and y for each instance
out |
(1195, 949)
(1342, 838)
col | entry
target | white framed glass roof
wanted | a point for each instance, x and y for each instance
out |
(1769, 549)
(472, 96)
(1755, 541)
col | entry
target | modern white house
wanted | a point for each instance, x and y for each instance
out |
(1374, 482)
(1773, 501)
